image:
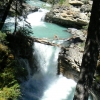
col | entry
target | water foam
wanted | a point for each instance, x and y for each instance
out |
(60, 89)
(36, 18)
(46, 84)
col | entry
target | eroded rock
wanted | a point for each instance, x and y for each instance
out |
(76, 15)
(75, 2)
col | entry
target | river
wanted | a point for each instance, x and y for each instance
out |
(45, 84)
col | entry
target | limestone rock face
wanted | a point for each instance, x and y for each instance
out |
(67, 16)
(83, 16)
(86, 8)
(70, 58)
(75, 15)
(70, 61)
(75, 2)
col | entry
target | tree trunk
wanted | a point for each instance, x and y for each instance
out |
(90, 55)
(5, 13)
(15, 18)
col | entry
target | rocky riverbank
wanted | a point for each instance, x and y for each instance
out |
(75, 14)
(70, 59)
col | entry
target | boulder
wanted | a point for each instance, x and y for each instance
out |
(77, 33)
(67, 16)
(75, 2)
(29, 9)
(69, 62)
(83, 16)
(86, 8)
(82, 22)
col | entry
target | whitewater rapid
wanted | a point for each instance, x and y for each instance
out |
(46, 84)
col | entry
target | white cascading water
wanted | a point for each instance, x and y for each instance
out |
(46, 84)
(36, 18)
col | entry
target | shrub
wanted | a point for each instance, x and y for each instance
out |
(10, 93)
(10, 88)
(2, 38)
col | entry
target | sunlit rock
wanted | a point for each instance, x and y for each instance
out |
(75, 2)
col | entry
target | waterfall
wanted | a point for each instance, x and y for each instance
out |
(36, 18)
(46, 58)
(45, 84)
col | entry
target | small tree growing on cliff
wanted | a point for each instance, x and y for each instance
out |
(90, 55)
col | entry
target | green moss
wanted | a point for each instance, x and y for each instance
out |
(61, 2)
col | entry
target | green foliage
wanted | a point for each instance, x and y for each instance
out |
(64, 2)
(3, 37)
(3, 49)
(22, 42)
(10, 69)
(10, 88)
(3, 55)
(61, 2)
(10, 93)
(7, 77)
